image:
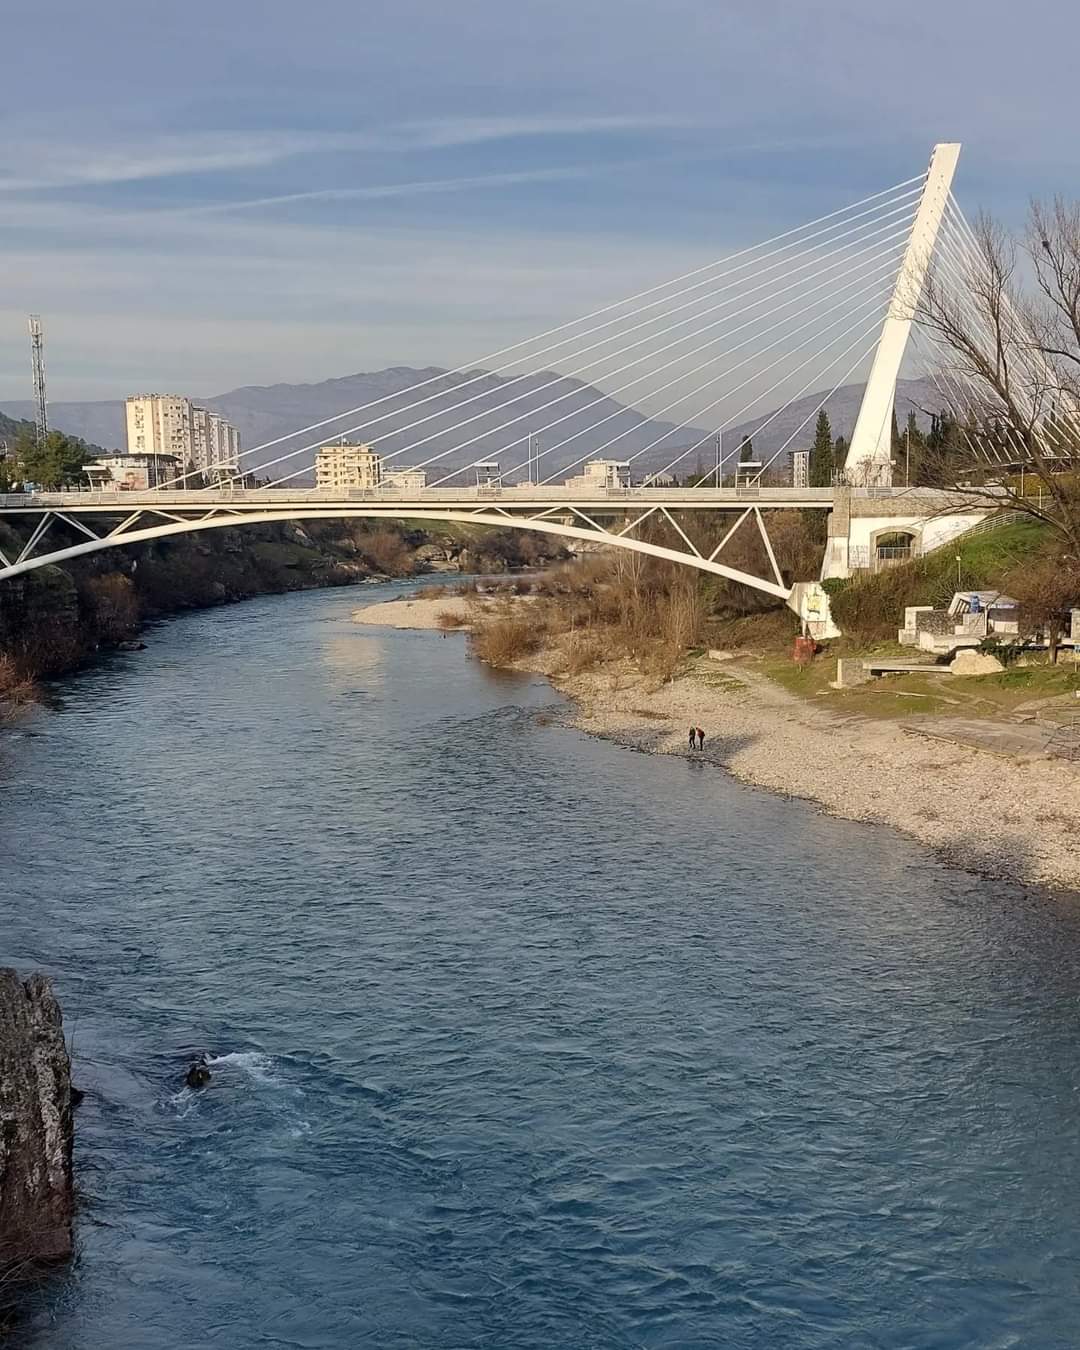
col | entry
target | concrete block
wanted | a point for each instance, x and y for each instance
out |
(850, 672)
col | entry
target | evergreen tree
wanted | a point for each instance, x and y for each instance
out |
(911, 452)
(56, 464)
(821, 453)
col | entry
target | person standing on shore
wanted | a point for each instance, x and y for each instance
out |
(693, 732)
(700, 739)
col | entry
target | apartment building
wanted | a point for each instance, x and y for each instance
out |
(159, 424)
(170, 424)
(347, 464)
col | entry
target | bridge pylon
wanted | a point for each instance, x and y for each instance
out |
(869, 457)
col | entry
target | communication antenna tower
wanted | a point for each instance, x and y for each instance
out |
(37, 351)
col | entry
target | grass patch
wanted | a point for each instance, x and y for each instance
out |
(872, 607)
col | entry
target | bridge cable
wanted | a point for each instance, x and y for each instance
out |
(566, 373)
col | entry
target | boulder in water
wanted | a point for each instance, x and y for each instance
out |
(198, 1075)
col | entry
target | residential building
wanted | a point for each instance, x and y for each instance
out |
(223, 448)
(131, 472)
(170, 424)
(347, 465)
(159, 424)
(800, 468)
(601, 474)
(404, 480)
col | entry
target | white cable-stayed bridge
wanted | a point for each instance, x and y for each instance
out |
(803, 313)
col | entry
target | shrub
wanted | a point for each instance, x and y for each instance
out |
(387, 552)
(15, 689)
(505, 638)
(450, 618)
(111, 605)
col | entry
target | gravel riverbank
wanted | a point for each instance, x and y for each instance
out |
(1009, 816)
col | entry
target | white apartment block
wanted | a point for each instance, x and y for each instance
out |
(159, 424)
(601, 473)
(169, 424)
(223, 447)
(347, 465)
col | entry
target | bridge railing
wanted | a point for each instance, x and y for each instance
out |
(508, 496)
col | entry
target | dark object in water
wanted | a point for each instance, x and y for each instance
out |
(198, 1075)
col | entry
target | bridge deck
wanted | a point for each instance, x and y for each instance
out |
(509, 499)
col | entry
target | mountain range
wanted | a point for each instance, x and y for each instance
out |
(589, 419)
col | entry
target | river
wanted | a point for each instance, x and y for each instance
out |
(519, 1039)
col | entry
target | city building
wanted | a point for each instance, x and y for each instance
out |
(404, 480)
(223, 449)
(159, 424)
(346, 465)
(131, 472)
(601, 474)
(800, 468)
(170, 424)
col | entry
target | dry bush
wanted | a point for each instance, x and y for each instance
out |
(584, 652)
(504, 638)
(659, 662)
(111, 604)
(16, 690)
(387, 552)
(449, 618)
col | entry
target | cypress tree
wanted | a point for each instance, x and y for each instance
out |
(821, 453)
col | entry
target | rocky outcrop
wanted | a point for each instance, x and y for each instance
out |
(36, 1135)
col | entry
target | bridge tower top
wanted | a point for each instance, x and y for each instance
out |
(869, 457)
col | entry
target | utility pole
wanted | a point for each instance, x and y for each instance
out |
(37, 353)
(719, 439)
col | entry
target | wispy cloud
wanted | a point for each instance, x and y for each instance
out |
(28, 165)
(418, 188)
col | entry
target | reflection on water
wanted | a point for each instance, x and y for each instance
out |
(517, 1039)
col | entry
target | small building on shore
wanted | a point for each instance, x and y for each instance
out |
(132, 472)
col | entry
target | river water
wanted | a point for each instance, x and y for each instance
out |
(518, 1039)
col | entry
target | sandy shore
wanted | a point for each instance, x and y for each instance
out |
(1008, 816)
(420, 613)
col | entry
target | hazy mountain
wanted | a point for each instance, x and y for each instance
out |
(588, 420)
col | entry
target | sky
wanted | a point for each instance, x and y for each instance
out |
(199, 196)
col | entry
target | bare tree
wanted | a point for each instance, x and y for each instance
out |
(1013, 367)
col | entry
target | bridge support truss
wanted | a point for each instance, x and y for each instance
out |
(616, 525)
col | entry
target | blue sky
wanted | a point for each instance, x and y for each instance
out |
(198, 196)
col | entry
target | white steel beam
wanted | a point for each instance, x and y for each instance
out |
(869, 456)
(95, 543)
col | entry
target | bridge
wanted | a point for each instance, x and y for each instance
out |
(815, 306)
